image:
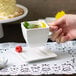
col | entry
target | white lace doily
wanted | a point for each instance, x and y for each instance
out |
(65, 63)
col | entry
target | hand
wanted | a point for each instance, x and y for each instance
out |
(64, 29)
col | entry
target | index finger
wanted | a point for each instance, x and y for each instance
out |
(58, 22)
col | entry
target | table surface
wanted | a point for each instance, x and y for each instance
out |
(13, 37)
(64, 63)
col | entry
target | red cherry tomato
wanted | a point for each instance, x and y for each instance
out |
(18, 49)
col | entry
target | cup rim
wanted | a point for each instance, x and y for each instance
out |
(35, 28)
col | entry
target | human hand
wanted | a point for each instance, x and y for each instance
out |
(63, 29)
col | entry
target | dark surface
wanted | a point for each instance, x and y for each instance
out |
(12, 33)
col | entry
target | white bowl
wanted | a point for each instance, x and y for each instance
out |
(3, 61)
(37, 36)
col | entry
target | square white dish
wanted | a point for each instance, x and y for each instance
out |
(35, 54)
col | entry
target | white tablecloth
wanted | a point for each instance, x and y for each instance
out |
(65, 63)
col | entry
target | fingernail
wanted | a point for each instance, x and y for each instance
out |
(54, 27)
(60, 29)
(52, 23)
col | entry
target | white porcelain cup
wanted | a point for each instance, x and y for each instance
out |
(35, 37)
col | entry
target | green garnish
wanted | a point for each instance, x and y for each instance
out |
(30, 26)
(26, 24)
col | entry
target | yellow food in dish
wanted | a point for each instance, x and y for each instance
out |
(8, 9)
(43, 25)
(59, 14)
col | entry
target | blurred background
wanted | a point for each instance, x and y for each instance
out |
(47, 8)
(38, 9)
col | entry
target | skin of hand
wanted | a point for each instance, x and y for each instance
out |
(63, 29)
